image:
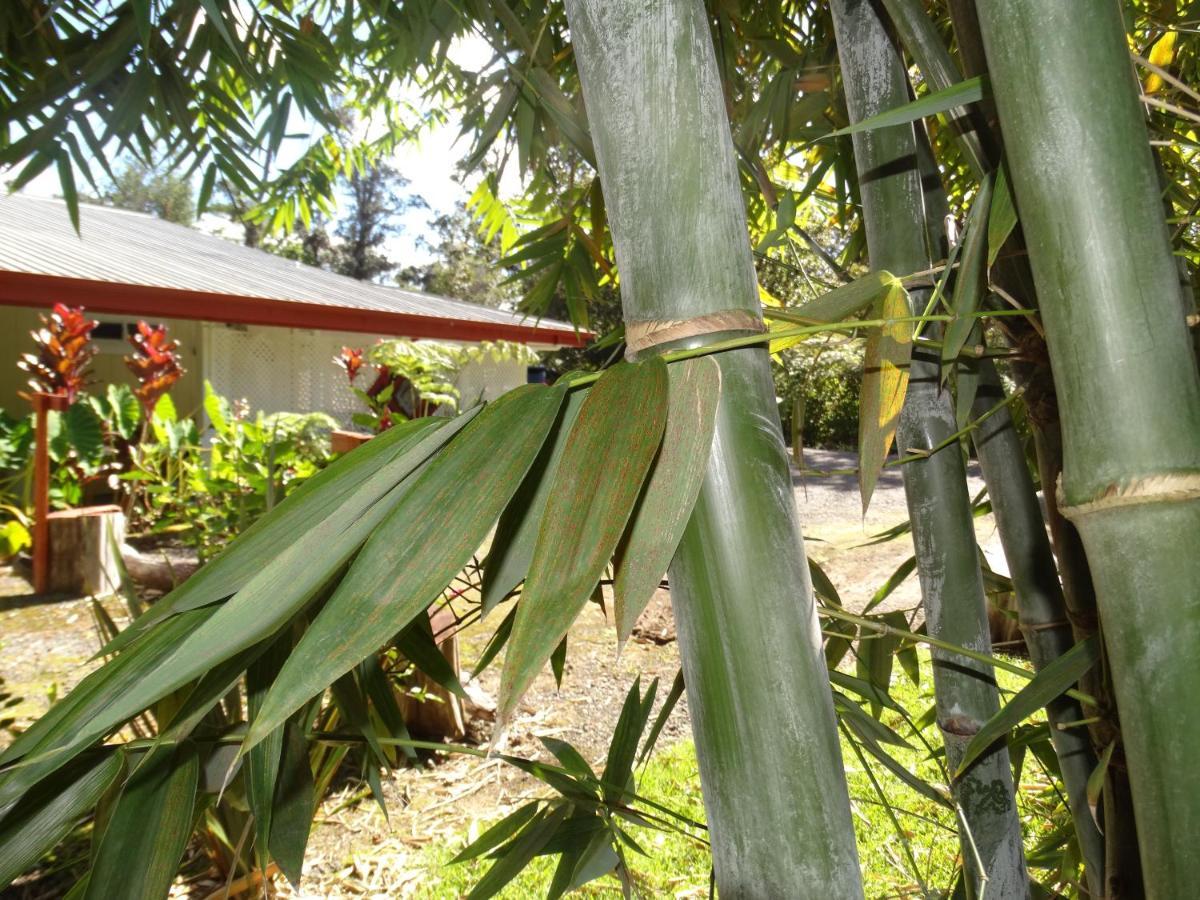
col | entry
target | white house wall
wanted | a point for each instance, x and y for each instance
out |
(292, 370)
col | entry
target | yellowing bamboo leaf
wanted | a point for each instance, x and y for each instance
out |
(884, 384)
(603, 467)
(670, 493)
(1162, 54)
(414, 553)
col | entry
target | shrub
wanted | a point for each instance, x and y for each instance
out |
(828, 377)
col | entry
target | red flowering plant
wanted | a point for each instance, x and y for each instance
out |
(64, 353)
(382, 398)
(154, 363)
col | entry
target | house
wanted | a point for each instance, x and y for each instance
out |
(256, 325)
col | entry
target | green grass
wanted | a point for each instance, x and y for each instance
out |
(911, 855)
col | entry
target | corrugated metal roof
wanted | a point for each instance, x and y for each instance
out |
(127, 248)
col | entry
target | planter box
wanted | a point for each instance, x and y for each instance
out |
(341, 441)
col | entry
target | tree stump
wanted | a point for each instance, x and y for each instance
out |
(84, 546)
(441, 714)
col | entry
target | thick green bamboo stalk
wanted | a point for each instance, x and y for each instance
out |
(874, 80)
(1041, 610)
(762, 715)
(1127, 382)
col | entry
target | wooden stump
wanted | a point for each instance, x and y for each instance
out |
(441, 715)
(342, 441)
(84, 546)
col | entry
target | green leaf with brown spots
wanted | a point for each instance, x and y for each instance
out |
(605, 463)
(670, 493)
(415, 552)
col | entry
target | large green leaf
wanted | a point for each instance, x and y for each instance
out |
(1049, 683)
(302, 511)
(607, 457)
(967, 91)
(884, 384)
(283, 585)
(262, 763)
(516, 855)
(418, 549)
(1002, 218)
(148, 829)
(295, 800)
(516, 533)
(971, 282)
(45, 816)
(666, 503)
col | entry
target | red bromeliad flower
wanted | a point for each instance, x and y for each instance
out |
(350, 359)
(65, 351)
(154, 362)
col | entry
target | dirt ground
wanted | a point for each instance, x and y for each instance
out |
(45, 645)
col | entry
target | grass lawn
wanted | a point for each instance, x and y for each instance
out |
(907, 843)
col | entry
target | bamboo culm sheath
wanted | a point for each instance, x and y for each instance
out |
(762, 714)
(893, 209)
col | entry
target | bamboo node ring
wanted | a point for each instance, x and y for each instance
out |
(1167, 487)
(649, 333)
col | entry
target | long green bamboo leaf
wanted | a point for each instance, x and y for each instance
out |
(45, 816)
(967, 91)
(670, 492)
(148, 830)
(262, 764)
(884, 384)
(607, 457)
(303, 510)
(1049, 683)
(418, 549)
(1002, 218)
(971, 282)
(291, 816)
(284, 584)
(516, 855)
(840, 303)
(516, 533)
(622, 750)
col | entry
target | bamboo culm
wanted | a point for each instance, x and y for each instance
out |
(875, 79)
(1041, 611)
(762, 714)
(1125, 367)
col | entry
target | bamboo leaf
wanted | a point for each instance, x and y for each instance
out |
(148, 829)
(622, 751)
(894, 581)
(1095, 782)
(970, 90)
(572, 760)
(840, 303)
(822, 584)
(971, 282)
(293, 577)
(46, 815)
(663, 714)
(420, 647)
(1048, 684)
(671, 490)
(516, 855)
(1002, 218)
(344, 481)
(884, 384)
(516, 533)
(414, 553)
(498, 833)
(262, 763)
(597, 483)
(295, 799)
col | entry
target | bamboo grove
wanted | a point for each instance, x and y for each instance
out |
(1014, 189)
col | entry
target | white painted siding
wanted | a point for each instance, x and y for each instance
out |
(292, 370)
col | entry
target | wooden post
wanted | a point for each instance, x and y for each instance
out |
(42, 404)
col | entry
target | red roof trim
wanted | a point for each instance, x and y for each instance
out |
(33, 289)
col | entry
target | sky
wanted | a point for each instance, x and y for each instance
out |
(428, 163)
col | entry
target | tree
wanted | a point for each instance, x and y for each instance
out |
(375, 201)
(464, 267)
(149, 189)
